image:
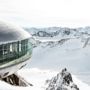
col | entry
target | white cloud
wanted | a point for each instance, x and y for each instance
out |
(46, 12)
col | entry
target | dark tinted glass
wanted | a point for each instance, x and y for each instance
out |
(15, 50)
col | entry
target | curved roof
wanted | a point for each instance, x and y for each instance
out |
(10, 33)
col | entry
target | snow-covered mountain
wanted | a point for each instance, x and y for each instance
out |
(59, 32)
(68, 48)
(62, 81)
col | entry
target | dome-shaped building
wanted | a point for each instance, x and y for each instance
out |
(15, 49)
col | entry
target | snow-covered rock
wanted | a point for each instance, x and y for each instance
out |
(62, 81)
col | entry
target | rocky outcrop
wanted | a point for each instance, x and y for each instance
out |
(62, 81)
(16, 80)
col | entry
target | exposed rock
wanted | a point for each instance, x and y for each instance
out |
(16, 80)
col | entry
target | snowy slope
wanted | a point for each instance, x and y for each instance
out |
(70, 54)
(38, 78)
(70, 44)
(63, 50)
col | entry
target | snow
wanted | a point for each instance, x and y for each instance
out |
(37, 77)
(71, 54)
(82, 86)
(50, 56)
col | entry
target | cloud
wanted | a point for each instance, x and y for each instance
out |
(46, 12)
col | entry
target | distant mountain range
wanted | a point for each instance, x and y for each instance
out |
(59, 35)
(58, 31)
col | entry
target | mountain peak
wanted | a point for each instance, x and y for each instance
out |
(62, 81)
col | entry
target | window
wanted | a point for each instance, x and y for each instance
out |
(5, 49)
(19, 46)
(11, 50)
(14, 47)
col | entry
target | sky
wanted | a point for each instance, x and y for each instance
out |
(45, 13)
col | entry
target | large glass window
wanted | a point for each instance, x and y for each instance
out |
(11, 51)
